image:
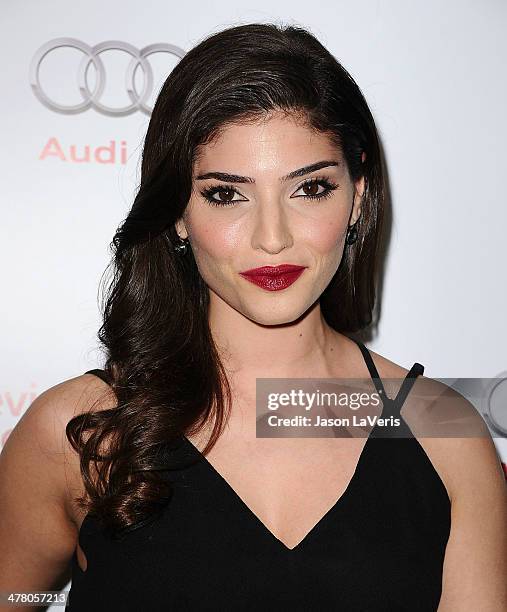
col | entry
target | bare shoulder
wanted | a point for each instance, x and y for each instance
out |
(39, 438)
(39, 475)
(59, 405)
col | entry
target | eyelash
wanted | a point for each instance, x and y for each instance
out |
(324, 182)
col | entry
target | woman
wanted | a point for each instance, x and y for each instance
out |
(261, 151)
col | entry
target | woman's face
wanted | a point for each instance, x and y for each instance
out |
(274, 210)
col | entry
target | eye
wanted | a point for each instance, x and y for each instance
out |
(311, 189)
(227, 191)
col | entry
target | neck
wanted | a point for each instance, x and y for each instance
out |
(306, 347)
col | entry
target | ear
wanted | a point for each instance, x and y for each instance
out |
(358, 198)
(181, 228)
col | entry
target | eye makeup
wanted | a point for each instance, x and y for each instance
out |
(328, 187)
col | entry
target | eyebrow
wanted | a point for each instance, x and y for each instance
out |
(237, 178)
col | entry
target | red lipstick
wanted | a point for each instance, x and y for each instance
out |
(274, 278)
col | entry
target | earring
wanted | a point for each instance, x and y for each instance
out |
(351, 234)
(181, 247)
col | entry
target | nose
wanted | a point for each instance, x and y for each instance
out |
(271, 231)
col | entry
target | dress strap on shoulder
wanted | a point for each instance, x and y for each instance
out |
(416, 370)
(377, 381)
(100, 374)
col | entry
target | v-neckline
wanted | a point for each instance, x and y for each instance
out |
(327, 514)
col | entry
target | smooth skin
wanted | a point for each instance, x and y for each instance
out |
(260, 334)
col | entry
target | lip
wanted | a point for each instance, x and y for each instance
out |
(272, 270)
(274, 278)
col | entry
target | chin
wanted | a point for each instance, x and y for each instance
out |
(275, 317)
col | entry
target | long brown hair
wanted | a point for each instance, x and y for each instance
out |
(161, 361)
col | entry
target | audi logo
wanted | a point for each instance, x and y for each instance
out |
(91, 55)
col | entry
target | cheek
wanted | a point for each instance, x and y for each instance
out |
(326, 238)
(214, 244)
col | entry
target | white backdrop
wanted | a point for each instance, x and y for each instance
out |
(433, 73)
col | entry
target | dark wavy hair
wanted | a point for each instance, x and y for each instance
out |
(161, 361)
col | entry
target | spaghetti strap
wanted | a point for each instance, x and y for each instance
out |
(408, 381)
(100, 373)
(372, 369)
(416, 370)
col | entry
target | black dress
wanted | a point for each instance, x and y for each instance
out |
(379, 548)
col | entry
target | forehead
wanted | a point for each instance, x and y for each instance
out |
(278, 143)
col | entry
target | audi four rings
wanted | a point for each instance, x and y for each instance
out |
(91, 55)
